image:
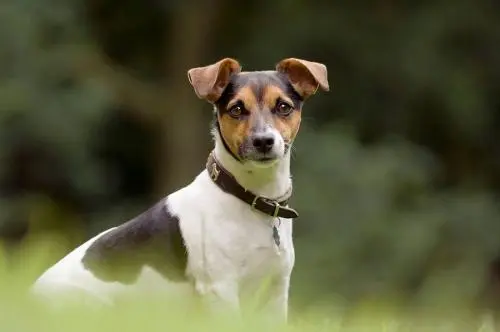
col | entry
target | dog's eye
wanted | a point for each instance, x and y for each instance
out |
(283, 108)
(236, 111)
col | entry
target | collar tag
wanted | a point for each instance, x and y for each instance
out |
(276, 236)
(214, 172)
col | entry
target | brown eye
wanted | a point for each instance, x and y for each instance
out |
(283, 108)
(236, 111)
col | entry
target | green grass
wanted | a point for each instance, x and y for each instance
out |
(20, 312)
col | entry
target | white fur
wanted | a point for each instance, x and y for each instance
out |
(231, 249)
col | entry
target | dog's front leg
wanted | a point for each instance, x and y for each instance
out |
(220, 296)
(277, 303)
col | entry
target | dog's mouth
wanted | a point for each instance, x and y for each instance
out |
(264, 159)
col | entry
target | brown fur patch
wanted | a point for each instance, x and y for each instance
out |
(271, 95)
(247, 96)
(287, 126)
(234, 131)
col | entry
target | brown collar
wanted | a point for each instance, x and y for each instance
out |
(224, 180)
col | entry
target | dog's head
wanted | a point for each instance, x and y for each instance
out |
(259, 112)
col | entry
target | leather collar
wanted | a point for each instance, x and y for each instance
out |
(224, 180)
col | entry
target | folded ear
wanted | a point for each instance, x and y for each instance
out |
(305, 76)
(210, 81)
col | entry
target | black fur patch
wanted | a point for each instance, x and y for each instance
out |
(153, 238)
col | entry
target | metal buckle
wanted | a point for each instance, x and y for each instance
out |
(276, 209)
(276, 205)
(254, 202)
(214, 172)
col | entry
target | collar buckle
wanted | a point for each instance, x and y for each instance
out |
(254, 202)
(276, 205)
(276, 209)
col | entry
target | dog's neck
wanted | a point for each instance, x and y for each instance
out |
(272, 182)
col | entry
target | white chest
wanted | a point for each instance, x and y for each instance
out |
(228, 240)
(250, 245)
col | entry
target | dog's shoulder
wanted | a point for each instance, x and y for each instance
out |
(153, 239)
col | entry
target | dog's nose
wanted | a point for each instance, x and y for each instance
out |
(263, 143)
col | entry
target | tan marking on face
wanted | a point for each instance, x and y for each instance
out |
(271, 95)
(235, 131)
(287, 126)
(247, 96)
(260, 110)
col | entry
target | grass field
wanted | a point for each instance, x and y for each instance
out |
(20, 312)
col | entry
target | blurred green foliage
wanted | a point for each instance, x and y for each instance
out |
(397, 169)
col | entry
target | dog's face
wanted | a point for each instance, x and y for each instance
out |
(259, 112)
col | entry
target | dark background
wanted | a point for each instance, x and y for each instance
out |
(397, 168)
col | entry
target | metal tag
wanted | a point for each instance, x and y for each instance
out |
(276, 236)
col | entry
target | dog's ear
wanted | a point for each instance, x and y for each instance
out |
(210, 81)
(305, 76)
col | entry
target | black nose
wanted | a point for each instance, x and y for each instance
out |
(263, 143)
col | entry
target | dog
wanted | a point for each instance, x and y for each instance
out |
(230, 230)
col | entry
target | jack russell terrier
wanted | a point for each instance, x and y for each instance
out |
(230, 230)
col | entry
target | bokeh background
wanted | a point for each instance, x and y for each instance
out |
(397, 168)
